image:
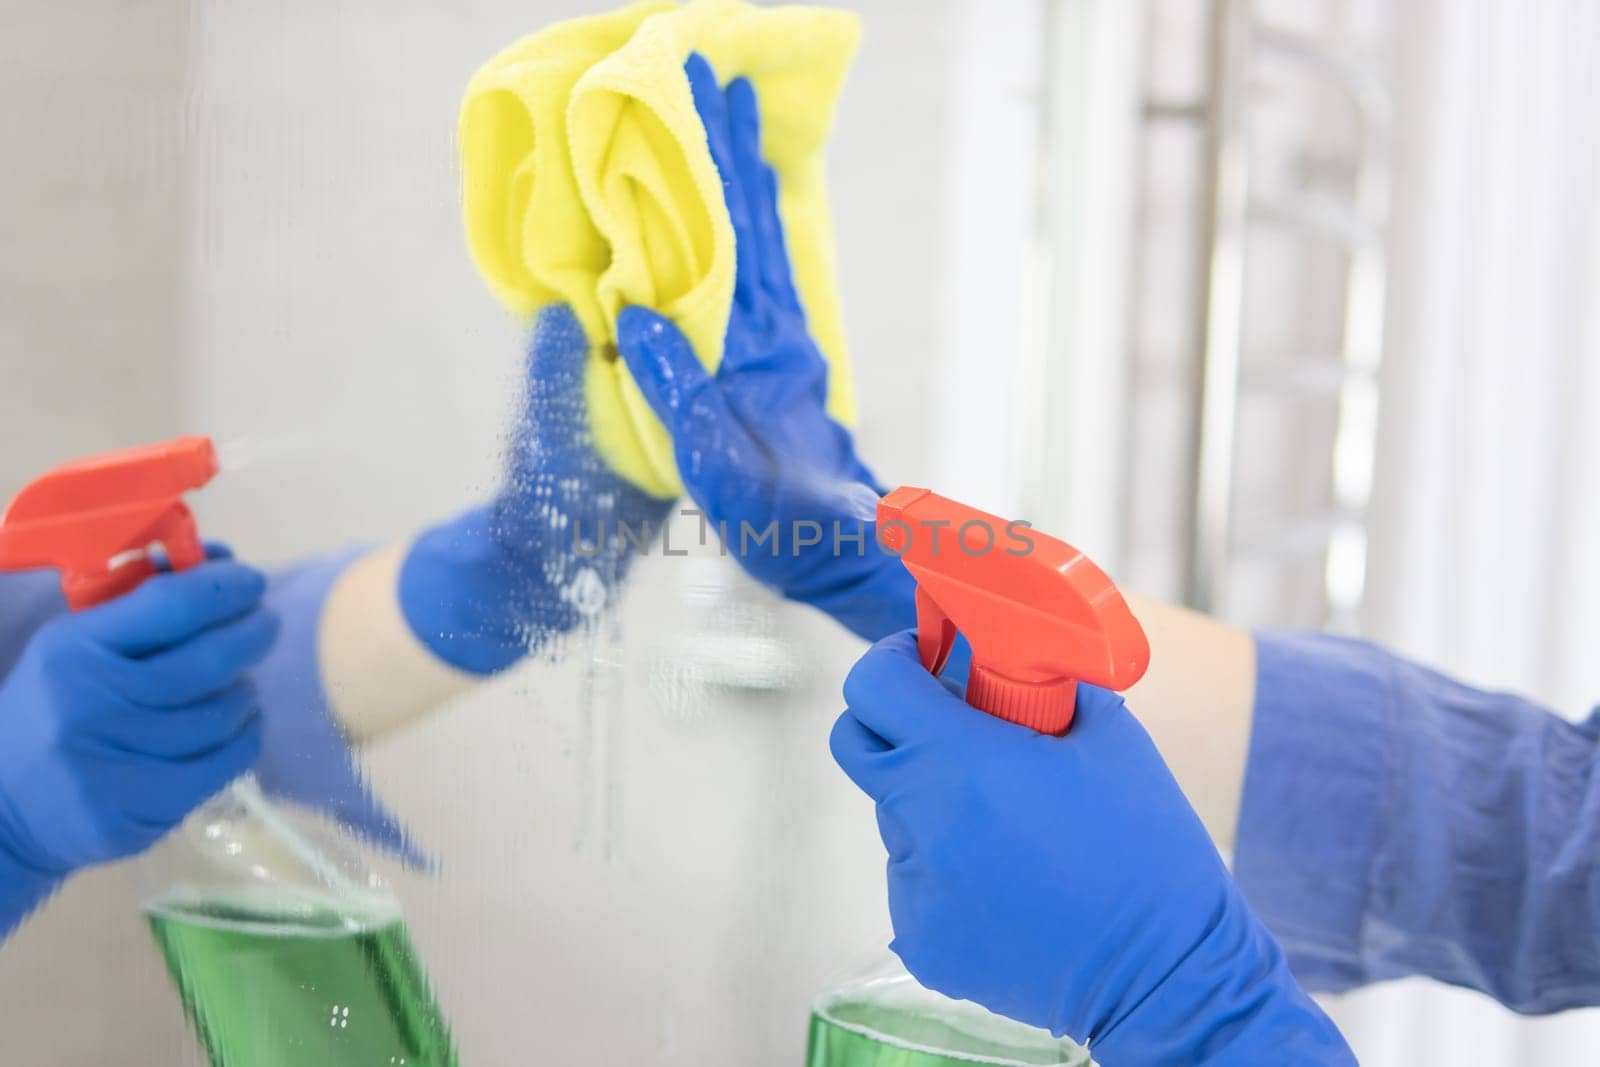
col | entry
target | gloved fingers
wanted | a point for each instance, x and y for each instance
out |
(707, 436)
(557, 349)
(859, 753)
(214, 550)
(897, 840)
(167, 790)
(760, 186)
(664, 366)
(719, 460)
(169, 608)
(896, 698)
(182, 732)
(712, 106)
(206, 664)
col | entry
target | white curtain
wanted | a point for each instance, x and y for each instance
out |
(1486, 520)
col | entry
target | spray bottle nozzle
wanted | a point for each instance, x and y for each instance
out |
(94, 519)
(1040, 616)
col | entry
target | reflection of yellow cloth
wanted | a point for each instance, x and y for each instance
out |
(586, 180)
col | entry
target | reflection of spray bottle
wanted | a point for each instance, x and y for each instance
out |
(1040, 617)
(286, 950)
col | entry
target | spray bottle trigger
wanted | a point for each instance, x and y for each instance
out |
(936, 633)
(94, 519)
(180, 538)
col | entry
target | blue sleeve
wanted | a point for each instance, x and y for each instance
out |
(305, 757)
(28, 600)
(874, 601)
(1395, 822)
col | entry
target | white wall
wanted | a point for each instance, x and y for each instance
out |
(92, 199)
(261, 242)
(91, 194)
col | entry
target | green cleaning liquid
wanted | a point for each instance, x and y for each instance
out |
(290, 984)
(863, 1034)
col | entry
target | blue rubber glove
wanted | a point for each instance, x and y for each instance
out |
(117, 721)
(1065, 882)
(755, 445)
(502, 580)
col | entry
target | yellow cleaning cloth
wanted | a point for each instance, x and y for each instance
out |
(586, 180)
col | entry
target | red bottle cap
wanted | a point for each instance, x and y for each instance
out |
(94, 519)
(1040, 616)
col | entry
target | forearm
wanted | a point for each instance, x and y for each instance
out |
(1195, 700)
(877, 601)
(375, 640)
(1395, 823)
(408, 628)
(348, 666)
(379, 674)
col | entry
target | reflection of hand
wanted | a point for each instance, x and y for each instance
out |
(755, 445)
(1065, 882)
(500, 580)
(119, 720)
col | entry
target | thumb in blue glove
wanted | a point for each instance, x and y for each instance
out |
(754, 444)
(118, 721)
(1065, 882)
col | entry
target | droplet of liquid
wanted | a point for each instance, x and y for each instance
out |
(587, 593)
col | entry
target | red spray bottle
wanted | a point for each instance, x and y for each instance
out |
(1040, 617)
(285, 948)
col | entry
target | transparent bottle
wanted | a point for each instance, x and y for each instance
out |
(286, 949)
(883, 1017)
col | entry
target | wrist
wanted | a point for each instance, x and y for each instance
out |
(1196, 703)
(469, 599)
(486, 588)
(23, 886)
(877, 599)
(375, 670)
(1230, 1000)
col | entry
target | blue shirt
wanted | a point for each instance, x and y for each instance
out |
(1395, 822)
